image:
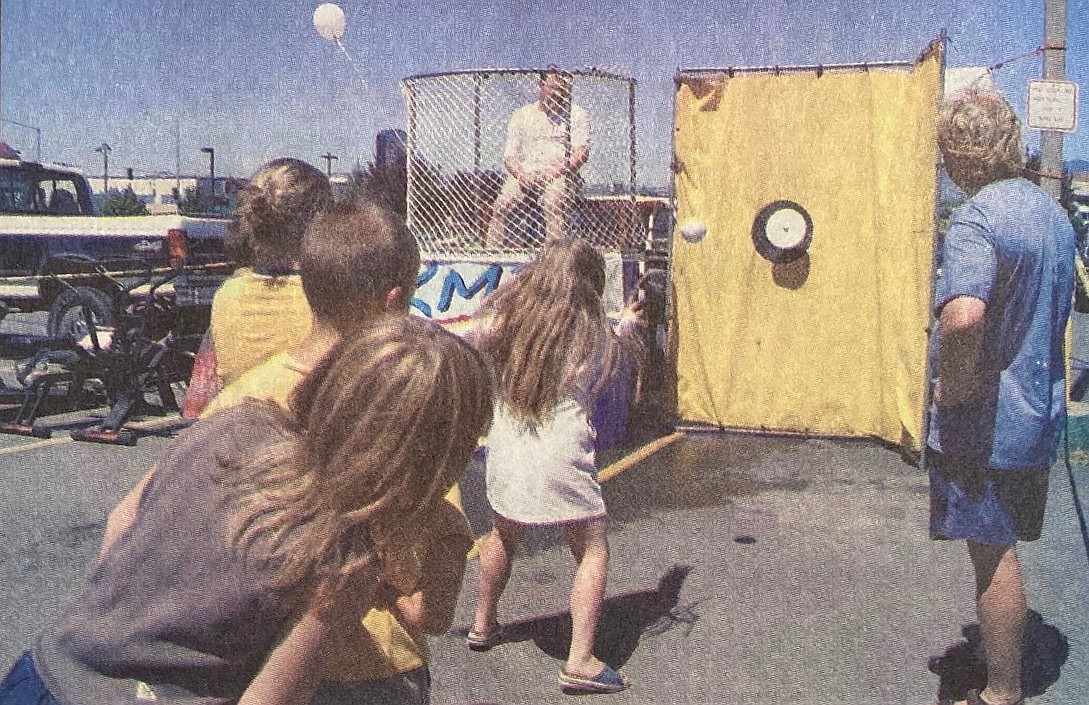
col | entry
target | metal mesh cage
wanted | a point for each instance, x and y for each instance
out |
(463, 126)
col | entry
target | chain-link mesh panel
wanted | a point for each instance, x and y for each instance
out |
(467, 130)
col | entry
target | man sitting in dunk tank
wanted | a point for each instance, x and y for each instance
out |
(548, 141)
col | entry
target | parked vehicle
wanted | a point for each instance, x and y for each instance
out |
(49, 232)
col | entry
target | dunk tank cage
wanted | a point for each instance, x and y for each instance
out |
(457, 134)
(456, 139)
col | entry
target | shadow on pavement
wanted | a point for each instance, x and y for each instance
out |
(679, 477)
(624, 620)
(963, 667)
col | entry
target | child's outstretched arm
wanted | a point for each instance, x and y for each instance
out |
(204, 381)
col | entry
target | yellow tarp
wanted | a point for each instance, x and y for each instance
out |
(835, 342)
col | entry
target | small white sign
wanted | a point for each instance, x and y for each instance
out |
(967, 77)
(1053, 105)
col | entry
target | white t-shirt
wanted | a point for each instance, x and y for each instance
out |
(539, 140)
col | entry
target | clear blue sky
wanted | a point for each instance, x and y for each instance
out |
(254, 80)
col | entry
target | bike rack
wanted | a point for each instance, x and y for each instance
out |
(131, 365)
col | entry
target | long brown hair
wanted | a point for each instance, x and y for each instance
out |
(544, 330)
(382, 429)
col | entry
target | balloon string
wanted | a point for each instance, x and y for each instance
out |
(351, 62)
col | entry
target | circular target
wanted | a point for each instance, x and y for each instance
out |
(782, 231)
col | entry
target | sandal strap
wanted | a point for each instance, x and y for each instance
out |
(974, 697)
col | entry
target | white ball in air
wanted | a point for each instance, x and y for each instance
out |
(693, 231)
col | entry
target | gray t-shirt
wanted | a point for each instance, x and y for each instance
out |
(171, 614)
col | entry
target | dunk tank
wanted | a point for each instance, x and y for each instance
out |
(802, 268)
(456, 146)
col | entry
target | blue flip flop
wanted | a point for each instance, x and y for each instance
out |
(608, 681)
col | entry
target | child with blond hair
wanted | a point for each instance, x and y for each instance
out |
(261, 309)
(553, 351)
(261, 533)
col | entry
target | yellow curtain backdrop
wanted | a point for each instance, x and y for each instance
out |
(834, 342)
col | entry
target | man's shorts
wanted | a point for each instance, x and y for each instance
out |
(997, 507)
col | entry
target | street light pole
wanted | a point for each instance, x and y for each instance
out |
(211, 152)
(104, 149)
(329, 158)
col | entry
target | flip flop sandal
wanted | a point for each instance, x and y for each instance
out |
(608, 681)
(483, 642)
(972, 697)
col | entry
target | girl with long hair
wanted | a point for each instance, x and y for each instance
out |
(263, 532)
(553, 351)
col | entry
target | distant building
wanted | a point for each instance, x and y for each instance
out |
(339, 184)
(160, 193)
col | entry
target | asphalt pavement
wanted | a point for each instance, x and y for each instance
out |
(744, 569)
(749, 569)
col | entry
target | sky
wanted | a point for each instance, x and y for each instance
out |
(255, 81)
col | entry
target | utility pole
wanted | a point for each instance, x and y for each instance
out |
(211, 152)
(104, 149)
(1051, 141)
(329, 158)
(177, 155)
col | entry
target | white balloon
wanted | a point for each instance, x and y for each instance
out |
(329, 21)
(693, 231)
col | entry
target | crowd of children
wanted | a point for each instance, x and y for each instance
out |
(300, 541)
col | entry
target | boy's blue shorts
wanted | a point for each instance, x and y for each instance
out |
(23, 685)
(996, 507)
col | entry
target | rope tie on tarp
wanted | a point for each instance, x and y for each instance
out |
(1020, 57)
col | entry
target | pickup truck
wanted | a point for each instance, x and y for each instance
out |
(49, 232)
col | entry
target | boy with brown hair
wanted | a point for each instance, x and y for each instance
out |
(358, 262)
